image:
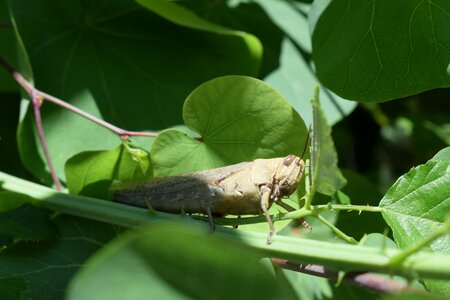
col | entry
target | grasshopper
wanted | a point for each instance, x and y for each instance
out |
(240, 189)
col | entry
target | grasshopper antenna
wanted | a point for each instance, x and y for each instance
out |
(306, 142)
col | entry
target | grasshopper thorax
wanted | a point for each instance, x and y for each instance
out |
(288, 175)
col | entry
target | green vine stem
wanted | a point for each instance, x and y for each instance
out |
(337, 231)
(297, 250)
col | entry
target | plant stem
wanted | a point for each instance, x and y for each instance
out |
(347, 207)
(292, 215)
(337, 231)
(310, 187)
(36, 102)
(37, 96)
(30, 89)
(374, 282)
(341, 256)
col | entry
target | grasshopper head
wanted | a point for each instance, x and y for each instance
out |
(289, 174)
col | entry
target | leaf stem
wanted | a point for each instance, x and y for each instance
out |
(310, 186)
(38, 96)
(292, 215)
(348, 207)
(336, 230)
(36, 102)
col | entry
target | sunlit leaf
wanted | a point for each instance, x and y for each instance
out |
(418, 203)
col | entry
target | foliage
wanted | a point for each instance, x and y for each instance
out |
(218, 83)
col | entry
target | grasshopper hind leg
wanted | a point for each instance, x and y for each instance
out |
(265, 196)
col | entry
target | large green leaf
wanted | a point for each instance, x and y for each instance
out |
(19, 219)
(238, 119)
(173, 262)
(443, 155)
(416, 204)
(91, 173)
(26, 223)
(12, 288)
(47, 267)
(122, 62)
(377, 50)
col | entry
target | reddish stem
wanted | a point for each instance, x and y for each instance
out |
(37, 96)
(370, 281)
(37, 101)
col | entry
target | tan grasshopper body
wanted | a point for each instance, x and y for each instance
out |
(240, 189)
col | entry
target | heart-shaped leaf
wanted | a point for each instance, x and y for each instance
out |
(238, 119)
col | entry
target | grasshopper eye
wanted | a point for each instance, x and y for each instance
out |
(288, 160)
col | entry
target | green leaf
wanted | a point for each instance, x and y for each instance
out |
(10, 160)
(21, 220)
(48, 266)
(28, 146)
(416, 204)
(12, 288)
(294, 79)
(121, 62)
(7, 49)
(184, 17)
(238, 118)
(296, 75)
(443, 155)
(307, 287)
(173, 262)
(414, 296)
(326, 174)
(91, 173)
(381, 50)
(290, 20)
(246, 17)
(27, 223)
(283, 30)
(11, 200)
(379, 241)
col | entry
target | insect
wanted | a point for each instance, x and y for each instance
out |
(240, 189)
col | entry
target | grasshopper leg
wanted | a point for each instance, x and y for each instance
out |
(265, 196)
(212, 226)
